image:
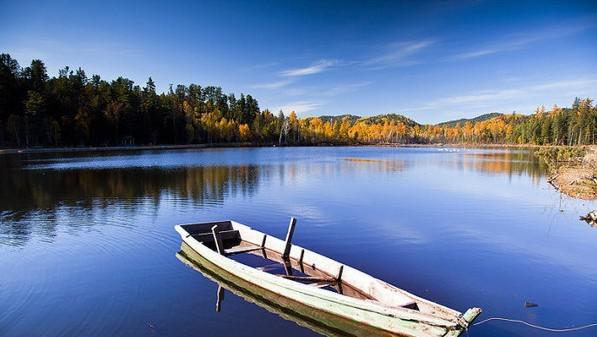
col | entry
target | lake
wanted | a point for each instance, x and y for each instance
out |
(87, 245)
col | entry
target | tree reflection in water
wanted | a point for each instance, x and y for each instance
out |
(40, 196)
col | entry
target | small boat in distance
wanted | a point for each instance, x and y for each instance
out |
(320, 283)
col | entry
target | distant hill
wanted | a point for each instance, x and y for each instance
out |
(379, 119)
(370, 119)
(327, 118)
(480, 118)
(390, 117)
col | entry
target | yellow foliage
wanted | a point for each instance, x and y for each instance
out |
(244, 132)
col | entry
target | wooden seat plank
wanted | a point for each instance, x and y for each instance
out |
(240, 250)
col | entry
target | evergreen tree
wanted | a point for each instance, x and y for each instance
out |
(34, 110)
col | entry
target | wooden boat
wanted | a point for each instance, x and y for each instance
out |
(320, 283)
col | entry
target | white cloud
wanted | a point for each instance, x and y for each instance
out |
(515, 42)
(477, 53)
(325, 90)
(581, 84)
(497, 48)
(398, 54)
(490, 99)
(497, 95)
(298, 107)
(314, 68)
(344, 88)
(272, 85)
(482, 96)
(394, 54)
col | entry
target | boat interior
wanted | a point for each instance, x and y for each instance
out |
(262, 257)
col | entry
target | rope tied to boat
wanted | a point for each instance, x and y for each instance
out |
(462, 322)
(536, 326)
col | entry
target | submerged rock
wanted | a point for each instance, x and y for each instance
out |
(590, 218)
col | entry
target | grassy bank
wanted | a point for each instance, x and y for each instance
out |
(573, 170)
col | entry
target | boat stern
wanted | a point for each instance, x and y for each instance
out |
(470, 315)
(464, 322)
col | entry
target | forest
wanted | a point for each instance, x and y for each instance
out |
(73, 109)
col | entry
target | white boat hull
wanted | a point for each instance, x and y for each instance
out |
(438, 321)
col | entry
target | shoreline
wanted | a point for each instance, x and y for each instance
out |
(122, 148)
(238, 145)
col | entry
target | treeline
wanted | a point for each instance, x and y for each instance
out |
(73, 109)
(576, 125)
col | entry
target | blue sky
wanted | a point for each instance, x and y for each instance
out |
(431, 61)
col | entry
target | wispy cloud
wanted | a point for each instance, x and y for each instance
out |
(393, 54)
(579, 84)
(478, 53)
(398, 53)
(497, 48)
(519, 41)
(498, 97)
(483, 96)
(272, 85)
(317, 67)
(344, 88)
(298, 107)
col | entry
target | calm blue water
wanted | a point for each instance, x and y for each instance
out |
(87, 246)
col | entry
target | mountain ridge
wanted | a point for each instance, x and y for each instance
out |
(475, 119)
(404, 119)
